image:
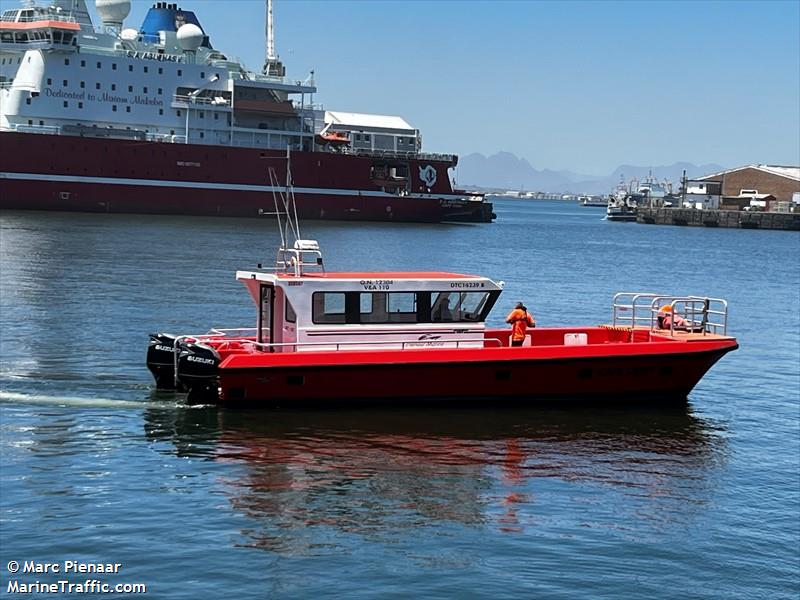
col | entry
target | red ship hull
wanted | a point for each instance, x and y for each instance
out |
(90, 174)
(660, 368)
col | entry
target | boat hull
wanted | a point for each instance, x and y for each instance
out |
(464, 376)
(72, 173)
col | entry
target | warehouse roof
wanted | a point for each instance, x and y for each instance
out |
(781, 171)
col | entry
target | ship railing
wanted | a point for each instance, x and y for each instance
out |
(165, 137)
(386, 344)
(399, 155)
(700, 314)
(45, 129)
(39, 17)
(186, 100)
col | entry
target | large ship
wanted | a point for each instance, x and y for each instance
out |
(156, 120)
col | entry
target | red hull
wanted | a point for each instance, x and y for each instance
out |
(666, 369)
(71, 173)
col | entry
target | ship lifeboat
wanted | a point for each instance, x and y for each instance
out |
(337, 138)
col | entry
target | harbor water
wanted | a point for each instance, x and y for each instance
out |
(694, 501)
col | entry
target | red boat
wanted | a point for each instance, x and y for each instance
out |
(125, 176)
(338, 338)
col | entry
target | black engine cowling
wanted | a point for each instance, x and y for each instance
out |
(161, 360)
(197, 370)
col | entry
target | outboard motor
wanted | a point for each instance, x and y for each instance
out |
(161, 360)
(197, 370)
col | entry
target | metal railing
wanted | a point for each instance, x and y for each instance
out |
(626, 305)
(700, 314)
(205, 101)
(46, 129)
(218, 334)
(398, 155)
(367, 344)
(39, 16)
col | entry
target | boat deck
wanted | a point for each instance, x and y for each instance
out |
(677, 335)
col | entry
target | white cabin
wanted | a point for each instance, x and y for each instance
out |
(354, 311)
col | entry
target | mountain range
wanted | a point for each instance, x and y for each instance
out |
(506, 171)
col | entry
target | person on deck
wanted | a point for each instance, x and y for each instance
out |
(667, 319)
(520, 320)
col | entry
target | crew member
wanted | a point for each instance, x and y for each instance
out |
(667, 319)
(443, 312)
(520, 321)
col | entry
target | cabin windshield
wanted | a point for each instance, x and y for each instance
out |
(401, 307)
(458, 307)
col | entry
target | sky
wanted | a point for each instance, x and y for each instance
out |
(583, 86)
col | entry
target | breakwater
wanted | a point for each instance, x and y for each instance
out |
(718, 218)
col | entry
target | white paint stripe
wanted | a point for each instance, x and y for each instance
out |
(208, 185)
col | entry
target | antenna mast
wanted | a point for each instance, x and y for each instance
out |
(270, 34)
(272, 65)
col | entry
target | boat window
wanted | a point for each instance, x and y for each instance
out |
(459, 307)
(290, 316)
(264, 325)
(382, 307)
(328, 307)
(366, 304)
(402, 307)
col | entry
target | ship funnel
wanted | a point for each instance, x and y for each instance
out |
(113, 12)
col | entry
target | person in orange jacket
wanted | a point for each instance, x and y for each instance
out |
(520, 321)
(667, 319)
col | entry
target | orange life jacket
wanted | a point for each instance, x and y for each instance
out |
(665, 321)
(520, 320)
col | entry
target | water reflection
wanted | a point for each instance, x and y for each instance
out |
(376, 474)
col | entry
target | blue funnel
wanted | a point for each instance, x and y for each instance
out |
(164, 16)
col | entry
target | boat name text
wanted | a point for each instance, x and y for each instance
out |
(154, 56)
(104, 97)
(376, 284)
(467, 284)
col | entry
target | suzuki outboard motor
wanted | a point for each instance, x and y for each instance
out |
(161, 360)
(197, 370)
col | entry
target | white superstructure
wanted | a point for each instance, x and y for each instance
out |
(163, 81)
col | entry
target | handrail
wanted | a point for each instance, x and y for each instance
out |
(697, 311)
(710, 315)
(630, 305)
(38, 17)
(404, 344)
(377, 153)
(187, 100)
(44, 129)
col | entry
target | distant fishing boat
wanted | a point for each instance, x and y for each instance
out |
(595, 201)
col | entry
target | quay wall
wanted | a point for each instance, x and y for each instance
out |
(718, 218)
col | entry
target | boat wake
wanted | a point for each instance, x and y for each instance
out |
(79, 402)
